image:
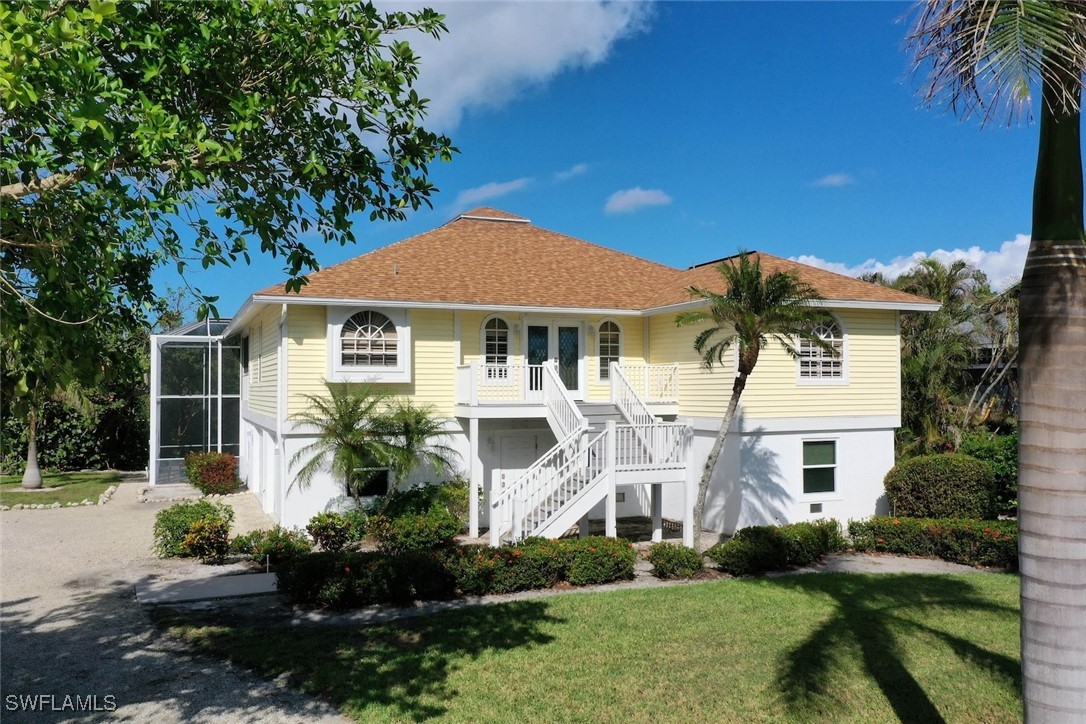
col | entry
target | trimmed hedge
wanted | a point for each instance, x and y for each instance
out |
(212, 473)
(942, 486)
(273, 546)
(670, 560)
(1001, 452)
(972, 542)
(346, 579)
(767, 548)
(174, 523)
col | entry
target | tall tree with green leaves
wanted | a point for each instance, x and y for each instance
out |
(754, 309)
(153, 132)
(985, 58)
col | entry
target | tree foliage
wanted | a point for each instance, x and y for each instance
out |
(156, 132)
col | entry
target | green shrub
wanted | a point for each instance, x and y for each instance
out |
(348, 578)
(972, 542)
(212, 473)
(272, 546)
(767, 548)
(331, 530)
(427, 531)
(173, 524)
(674, 561)
(358, 519)
(942, 486)
(208, 540)
(1001, 452)
(451, 496)
(596, 559)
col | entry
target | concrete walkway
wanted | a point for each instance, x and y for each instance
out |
(71, 624)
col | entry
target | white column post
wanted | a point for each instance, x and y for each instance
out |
(657, 512)
(476, 474)
(610, 524)
(156, 373)
(688, 514)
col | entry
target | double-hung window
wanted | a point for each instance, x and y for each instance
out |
(819, 467)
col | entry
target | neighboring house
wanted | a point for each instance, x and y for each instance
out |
(566, 385)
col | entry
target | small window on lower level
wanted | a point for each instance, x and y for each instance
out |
(819, 466)
(371, 481)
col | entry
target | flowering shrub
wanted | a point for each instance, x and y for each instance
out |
(597, 559)
(433, 529)
(347, 579)
(212, 473)
(331, 530)
(972, 542)
(674, 561)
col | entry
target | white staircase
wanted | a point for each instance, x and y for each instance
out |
(599, 446)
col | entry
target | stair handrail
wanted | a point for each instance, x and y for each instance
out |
(530, 482)
(561, 409)
(586, 468)
(633, 408)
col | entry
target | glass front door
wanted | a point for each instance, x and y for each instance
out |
(560, 343)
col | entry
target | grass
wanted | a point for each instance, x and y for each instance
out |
(73, 488)
(827, 647)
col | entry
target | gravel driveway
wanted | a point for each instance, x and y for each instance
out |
(70, 624)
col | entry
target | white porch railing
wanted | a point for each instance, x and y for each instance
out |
(662, 446)
(653, 383)
(483, 384)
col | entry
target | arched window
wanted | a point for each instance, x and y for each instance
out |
(369, 339)
(816, 363)
(496, 348)
(610, 341)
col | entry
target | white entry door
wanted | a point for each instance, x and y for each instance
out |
(516, 453)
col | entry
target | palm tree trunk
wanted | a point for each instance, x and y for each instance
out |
(1052, 447)
(714, 455)
(32, 475)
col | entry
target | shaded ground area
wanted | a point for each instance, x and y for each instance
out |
(71, 625)
(834, 647)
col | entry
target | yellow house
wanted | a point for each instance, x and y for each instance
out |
(565, 384)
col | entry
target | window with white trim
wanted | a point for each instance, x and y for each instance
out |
(816, 363)
(609, 340)
(819, 466)
(369, 344)
(496, 348)
(369, 339)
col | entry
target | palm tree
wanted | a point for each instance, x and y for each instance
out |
(363, 431)
(351, 424)
(984, 57)
(754, 309)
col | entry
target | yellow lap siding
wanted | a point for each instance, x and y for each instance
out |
(264, 362)
(774, 390)
(432, 359)
(701, 393)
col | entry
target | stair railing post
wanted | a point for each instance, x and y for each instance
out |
(610, 522)
(517, 510)
(475, 382)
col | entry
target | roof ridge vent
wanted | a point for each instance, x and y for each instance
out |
(492, 218)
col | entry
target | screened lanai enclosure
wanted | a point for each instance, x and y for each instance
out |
(195, 396)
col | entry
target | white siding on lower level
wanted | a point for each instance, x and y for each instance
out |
(759, 479)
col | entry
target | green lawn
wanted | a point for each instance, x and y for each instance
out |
(825, 647)
(74, 488)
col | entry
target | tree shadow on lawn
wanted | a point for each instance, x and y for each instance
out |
(403, 666)
(871, 611)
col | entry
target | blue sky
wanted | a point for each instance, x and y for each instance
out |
(683, 132)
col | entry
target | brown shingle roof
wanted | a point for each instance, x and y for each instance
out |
(489, 261)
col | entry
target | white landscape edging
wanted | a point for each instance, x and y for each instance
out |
(104, 498)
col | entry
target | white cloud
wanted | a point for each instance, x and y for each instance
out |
(494, 51)
(575, 170)
(492, 190)
(833, 180)
(629, 200)
(1002, 266)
